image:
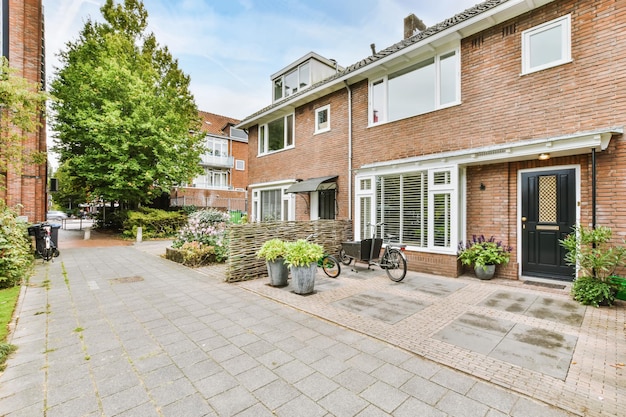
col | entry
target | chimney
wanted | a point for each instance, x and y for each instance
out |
(412, 25)
(373, 46)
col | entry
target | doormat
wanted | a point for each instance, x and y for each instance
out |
(545, 284)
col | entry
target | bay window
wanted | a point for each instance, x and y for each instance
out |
(419, 207)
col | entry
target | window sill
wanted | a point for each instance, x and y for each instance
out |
(545, 67)
(446, 106)
(317, 132)
(275, 152)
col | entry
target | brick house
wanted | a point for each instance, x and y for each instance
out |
(505, 119)
(21, 42)
(223, 183)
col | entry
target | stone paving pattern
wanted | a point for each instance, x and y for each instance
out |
(118, 331)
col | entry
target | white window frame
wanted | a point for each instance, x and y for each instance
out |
(263, 145)
(287, 209)
(384, 118)
(240, 165)
(318, 128)
(210, 177)
(302, 84)
(565, 22)
(453, 189)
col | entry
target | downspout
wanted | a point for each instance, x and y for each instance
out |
(593, 188)
(593, 199)
(349, 150)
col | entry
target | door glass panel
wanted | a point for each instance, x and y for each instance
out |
(547, 199)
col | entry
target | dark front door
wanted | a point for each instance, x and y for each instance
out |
(548, 214)
(327, 204)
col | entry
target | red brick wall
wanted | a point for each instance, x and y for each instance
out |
(314, 156)
(240, 178)
(27, 188)
(498, 106)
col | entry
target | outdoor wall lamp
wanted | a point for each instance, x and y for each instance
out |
(544, 156)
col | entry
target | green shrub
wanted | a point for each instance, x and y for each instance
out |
(593, 291)
(196, 254)
(303, 253)
(154, 223)
(209, 228)
(111, 219)
(592, 251)
(16, 255)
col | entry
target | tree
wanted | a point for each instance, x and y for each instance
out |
(21, 103)
(69, 194)
(126, 123)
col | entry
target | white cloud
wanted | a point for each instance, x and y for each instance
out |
(231, 47)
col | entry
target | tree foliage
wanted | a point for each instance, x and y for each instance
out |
(69, 193)
(125, 118)
(21, 102)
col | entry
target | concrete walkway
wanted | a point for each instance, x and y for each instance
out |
(120, 331)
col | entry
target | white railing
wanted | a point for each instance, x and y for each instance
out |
(217, 161)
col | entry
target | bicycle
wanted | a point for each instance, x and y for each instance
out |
(393, 260)
(48, 249)
(329, 264)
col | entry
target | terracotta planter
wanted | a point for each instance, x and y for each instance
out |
(278, 272)
(482, 273)
(303, 278)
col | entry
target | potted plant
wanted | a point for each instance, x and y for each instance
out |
(273, 251)
(302, 257)
(483, 255)
(591, 251)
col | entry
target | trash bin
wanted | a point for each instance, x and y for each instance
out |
(39, 233)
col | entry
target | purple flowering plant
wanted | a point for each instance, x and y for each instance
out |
(481, 252)
(207, 228)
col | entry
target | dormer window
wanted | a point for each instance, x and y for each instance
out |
(292, 82)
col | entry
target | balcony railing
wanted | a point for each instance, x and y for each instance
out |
(217, 161)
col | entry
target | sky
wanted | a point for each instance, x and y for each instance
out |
(230, 48)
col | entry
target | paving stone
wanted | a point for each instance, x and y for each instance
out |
(232, 402)
(193, 402)
(342, 402)
(124, 400)
(365, 362)
(424, 390)
(316, 386)
(278, 393)
(172, 391)
(384, 396)
(413, 407)
(215, 384)
(457, 405)
(355, 380)
(454, 380)
(256, 377)
(300, 406)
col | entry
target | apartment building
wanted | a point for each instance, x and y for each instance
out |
(223, 183)
(22, 43)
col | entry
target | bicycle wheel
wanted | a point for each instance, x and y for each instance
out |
(395, 265)
(344, 258)
(331, 266)
(47, 254)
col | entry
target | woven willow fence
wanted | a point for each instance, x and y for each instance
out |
(246, 240)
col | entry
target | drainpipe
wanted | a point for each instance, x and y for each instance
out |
(593, 188)
(349, 150)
